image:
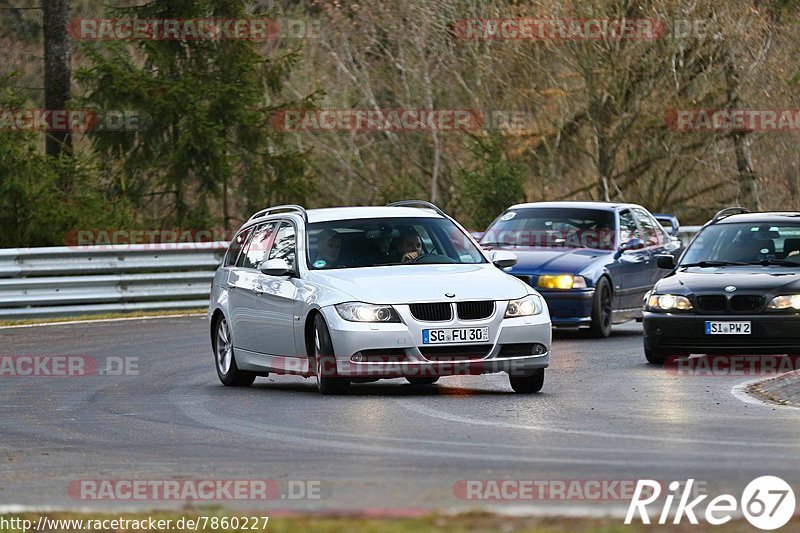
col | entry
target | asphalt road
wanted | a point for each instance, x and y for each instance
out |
(603, 415)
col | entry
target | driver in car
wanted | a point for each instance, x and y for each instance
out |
(408, 247)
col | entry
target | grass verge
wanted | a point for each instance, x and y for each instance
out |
(102, 316)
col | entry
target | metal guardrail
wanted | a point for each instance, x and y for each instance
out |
(70, 281)
(687, 233)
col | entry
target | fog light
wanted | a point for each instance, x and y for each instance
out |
(357, 358)
(539, 349)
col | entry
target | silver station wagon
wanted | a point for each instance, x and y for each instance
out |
(357, 294)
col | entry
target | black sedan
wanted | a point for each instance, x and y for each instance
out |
(735, 290)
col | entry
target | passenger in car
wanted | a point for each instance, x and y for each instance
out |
(791, 247)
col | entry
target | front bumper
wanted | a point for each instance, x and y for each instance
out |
(681, 334)
(396, 349)
(570, 308)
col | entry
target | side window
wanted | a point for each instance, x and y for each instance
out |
(653, 234)
(284, 247)
(256, 249)
(236, 246)
(627, 227)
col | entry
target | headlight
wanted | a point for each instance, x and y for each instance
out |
(530, 305)
(786, 301)
(562, 281)
(361, 312)
(668, 302)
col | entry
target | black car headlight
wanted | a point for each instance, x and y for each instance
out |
(362, 312)
(785, 302)
(668, 302)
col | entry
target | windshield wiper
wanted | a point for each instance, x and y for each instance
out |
(777, 262)
(498, 244)
(703, 264)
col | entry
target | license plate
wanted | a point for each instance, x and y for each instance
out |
(440, 336)
(727, 328)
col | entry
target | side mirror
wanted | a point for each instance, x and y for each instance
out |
(633, 244)
(503, 258)
(276, 267)
(666, 262)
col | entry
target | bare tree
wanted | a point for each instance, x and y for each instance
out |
(57, 77)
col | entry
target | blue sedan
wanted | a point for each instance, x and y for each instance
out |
(592, 261)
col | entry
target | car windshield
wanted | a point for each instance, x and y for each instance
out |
(745, 243)
(388, 241)
(553, 227)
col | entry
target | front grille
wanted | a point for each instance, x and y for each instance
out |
(719, 303)
(712, 303)
(743, 303)
(475, 310)
(456, 353)
(433, 312)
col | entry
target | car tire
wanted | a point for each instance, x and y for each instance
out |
(602, 306)
(655, 357)
(423, 380)
(528, 384)
(325, 361)
(225, 359)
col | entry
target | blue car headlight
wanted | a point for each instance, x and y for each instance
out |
(561, 281)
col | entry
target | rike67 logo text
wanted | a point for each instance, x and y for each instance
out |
(767, 502)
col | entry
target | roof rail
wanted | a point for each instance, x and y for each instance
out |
(418, 203)
(289, 207)
(728, 212)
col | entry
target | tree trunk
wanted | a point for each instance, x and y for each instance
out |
(748, 181)
(604, 165)
(56, 71)
(793, 181)
(747, 178)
